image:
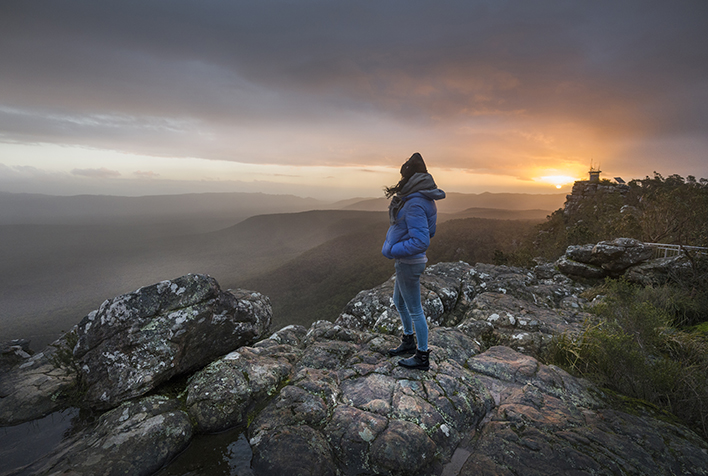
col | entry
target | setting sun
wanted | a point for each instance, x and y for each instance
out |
(557, 180)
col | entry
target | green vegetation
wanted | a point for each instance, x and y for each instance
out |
(635, 345)
(655, 210)
(643, 342)
(672, 210)
(478, 240)
(62, 357)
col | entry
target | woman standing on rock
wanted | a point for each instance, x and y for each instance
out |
(412, 216)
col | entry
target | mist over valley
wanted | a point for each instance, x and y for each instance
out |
(60, 257)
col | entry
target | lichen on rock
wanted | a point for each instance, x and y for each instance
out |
(137, 341)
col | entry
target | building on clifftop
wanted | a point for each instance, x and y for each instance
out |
(591, 191)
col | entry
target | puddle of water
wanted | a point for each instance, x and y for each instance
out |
(23, 444)
(222, 454)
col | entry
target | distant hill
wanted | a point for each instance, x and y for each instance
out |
(346, 204)
(211, 211)
(459, 202)
(60, 257)
(53, 275)
(499, 214)
(318, 283)
(205, 210)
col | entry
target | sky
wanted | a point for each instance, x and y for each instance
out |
(326, 99)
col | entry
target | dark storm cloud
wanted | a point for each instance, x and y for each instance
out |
(144, 73)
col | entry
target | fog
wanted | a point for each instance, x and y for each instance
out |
(60, 257)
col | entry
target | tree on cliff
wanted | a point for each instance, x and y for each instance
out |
(672, 210)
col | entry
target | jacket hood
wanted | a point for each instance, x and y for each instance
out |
(418, 182)
(434, 194)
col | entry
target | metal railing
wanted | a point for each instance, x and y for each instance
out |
(662, 250)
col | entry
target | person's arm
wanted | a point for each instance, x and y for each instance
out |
(418, 233)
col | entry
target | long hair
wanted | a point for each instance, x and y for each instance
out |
(411, 167)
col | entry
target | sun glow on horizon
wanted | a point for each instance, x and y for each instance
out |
(556, 180)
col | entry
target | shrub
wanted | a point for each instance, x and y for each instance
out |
(631, 347)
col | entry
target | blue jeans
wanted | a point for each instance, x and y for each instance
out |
(406, 298)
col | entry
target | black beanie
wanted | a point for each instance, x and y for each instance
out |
(413, 166)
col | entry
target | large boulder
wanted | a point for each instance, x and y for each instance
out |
(617, 255)
(223, 394)
(579, 270)
(606, 258)
(137, 341)
(671, 269)
(129, 346)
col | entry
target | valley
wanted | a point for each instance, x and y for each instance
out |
(57, 265)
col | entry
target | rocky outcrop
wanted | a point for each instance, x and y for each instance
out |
(132, 344)
(352, 410)
(329, 400)
(347, 408)
(631, 259)
(13, 353)
(607, 258)
(137, 341)
(663, 270)
(546, 422)
(578, 270)
(586, 193)
(492, 304)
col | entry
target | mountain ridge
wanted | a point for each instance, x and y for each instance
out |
(456, 202)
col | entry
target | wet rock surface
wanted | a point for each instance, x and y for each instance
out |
(36, 385)
(136, 438)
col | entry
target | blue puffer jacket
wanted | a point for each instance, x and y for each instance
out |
(409, 236)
